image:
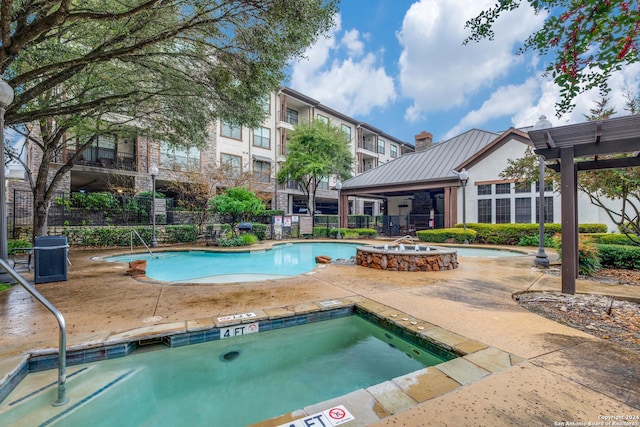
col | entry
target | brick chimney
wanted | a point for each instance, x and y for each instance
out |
(423, 140)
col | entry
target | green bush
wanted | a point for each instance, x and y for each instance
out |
(260, 230)
(619, 256)
(324, 232)
(612, 239)
(21, 243)
(248, 239)
(534, 240)
(441, 235)
(588, 257)
(592, 228)
(508, 234)
(180, 233)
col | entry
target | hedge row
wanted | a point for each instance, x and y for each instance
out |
(612, 239)
(447, 235)
(122, 236)
(619, 256)
(347, 233)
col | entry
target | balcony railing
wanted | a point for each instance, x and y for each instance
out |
(368, 145)
(106, 158)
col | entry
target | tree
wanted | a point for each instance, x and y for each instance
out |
(601, 111)
(238, 204)
(588, 40)
(166, 69)
(316, 150)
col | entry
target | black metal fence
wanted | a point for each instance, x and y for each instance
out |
(385, 225)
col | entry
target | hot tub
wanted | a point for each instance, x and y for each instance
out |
(406, 258)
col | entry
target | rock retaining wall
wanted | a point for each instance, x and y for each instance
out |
(407, 261)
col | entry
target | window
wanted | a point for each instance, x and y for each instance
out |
(484, 189)
(523, 210)
(380, 146)
(266, 104)
(393, 150)
(523, 187)
(323, 184)
(347, 132)
(231, 165)
(291, 116)
(548, 209)
(262, 137)
(503, 210)
(484, 211)
(503, 188)
(261, 171)
(323, 119)
(548, 186)
(179, 158)
(231, 131)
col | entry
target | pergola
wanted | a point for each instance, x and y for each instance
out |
(576, 148)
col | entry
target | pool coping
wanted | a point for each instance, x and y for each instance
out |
(474, 360)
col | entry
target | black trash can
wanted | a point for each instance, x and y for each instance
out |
(50, 259)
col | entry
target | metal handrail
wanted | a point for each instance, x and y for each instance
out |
(62, 350)
(133, 230)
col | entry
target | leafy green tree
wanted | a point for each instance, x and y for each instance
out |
(588, 40)
(167, 69)
(238, 204)
(316, 150)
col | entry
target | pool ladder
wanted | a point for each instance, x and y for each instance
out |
(400, 239)
(62, 350)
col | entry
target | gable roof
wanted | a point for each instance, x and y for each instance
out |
(432, 164)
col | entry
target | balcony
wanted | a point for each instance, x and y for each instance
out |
(105, 158)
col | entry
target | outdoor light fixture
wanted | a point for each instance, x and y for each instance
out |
(463, 175)
(338, 187)
(6, 98)
(153, 170)
(541, 260)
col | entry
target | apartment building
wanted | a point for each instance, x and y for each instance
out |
(231, 154)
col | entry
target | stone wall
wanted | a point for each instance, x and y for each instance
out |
(423, 261)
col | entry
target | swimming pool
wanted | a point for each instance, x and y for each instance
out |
(228, 382)
(223, 267)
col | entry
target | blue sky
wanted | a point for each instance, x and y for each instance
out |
(400, 66)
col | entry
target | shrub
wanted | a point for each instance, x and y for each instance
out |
(592, 228)
(441, 235)
(180, 233)
(508, 234)
(613, 239)
(588, 258)
(354, 233)
(248, 239)
(21, 243)
(619, 256)
(534, 240)
(260, 230)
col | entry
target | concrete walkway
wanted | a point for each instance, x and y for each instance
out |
(565, 376)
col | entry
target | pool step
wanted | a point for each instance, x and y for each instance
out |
(30, 403)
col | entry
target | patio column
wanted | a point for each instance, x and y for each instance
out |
(568, 193)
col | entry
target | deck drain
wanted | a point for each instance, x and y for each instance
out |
(229, 356)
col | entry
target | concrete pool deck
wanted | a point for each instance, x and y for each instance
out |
(557, 375)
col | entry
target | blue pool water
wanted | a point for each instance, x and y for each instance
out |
(220, 267)
(229, 382)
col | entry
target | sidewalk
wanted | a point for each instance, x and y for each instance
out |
(565, 376)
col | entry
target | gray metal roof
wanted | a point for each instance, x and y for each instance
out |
(432, 164)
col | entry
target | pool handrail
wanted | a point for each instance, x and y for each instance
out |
(133, 230)
(62, 350)
(400, 239)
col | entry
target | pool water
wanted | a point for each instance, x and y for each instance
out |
(220, 267)
(236, 381)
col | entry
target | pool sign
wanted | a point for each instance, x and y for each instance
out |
(238, 330)
(236, 317)
(331, 417)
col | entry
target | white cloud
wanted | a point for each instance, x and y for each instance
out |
(437, 71)
(350, 81)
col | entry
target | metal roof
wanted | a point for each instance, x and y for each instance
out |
(432, 164)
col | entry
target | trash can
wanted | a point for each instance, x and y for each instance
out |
(50, 259)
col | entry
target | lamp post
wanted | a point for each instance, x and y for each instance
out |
(6, 98)
(153, 170)
(464, 178)
(338, 187)
(542, 260)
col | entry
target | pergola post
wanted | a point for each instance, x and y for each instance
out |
(568, 177)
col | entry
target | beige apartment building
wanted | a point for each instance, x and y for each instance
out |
(231, 152)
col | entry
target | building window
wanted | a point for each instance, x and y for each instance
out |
(262, 137)
(323, 184)
(523, 210)
(503, 188)
(266, 104)
(548, 186)
(347, 132)
(323, 119)
(503, 211)
(261, 171)
(178, 158)
(231, 131)
(523, 187)
(484, 189)
(291, 116)
(231, 165)
(380, 146)
(484, 211)
(548, 209)
(393, 149)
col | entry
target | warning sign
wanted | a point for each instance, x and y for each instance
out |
(331, 417)
(238, 330)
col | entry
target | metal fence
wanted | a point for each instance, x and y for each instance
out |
(385, 225)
